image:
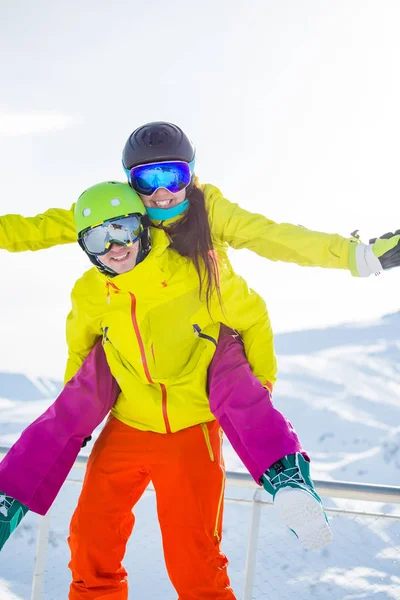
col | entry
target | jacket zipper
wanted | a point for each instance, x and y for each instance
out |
(197, 331)
(139, 338)
(145, 365)
(164, 407)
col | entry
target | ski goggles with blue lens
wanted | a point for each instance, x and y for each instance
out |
(172, 175)
(125, 231)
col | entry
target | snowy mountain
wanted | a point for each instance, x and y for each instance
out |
(386, 329)
(340, 388)
(16, 386)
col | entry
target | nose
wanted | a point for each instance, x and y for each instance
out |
(115, 247)
(161, 191)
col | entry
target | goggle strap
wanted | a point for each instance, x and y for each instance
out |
(145, 220)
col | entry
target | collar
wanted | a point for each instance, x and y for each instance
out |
(166, 214)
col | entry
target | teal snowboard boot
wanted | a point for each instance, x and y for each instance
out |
(298, 504)
(11, 515)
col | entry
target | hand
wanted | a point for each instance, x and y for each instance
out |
(387, 249)
(380, 254)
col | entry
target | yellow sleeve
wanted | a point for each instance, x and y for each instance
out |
(81, 331)
(231, 224)
(244, 310)
(53, 227)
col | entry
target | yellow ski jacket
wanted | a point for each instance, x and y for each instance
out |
(159, 337)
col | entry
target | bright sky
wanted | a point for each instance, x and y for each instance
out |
(294, 107)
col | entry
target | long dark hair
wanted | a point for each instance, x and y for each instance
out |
(191, 237)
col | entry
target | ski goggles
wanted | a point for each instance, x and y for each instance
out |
(123, 230)
(173, 176)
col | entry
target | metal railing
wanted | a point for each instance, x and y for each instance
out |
(328, 489)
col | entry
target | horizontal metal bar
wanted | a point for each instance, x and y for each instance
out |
(332, 489)
(358, 491)
(267, 500)
(362, 513)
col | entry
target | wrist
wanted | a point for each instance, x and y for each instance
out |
(362, 260)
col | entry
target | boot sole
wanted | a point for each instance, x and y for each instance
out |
(303, 513)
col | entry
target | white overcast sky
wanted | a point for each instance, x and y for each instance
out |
(294, 106)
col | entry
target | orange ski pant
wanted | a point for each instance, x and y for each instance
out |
(187, 472)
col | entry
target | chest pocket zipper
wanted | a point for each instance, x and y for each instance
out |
(197, 332)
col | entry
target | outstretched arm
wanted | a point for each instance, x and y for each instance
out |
(53, 227)
(231, 224)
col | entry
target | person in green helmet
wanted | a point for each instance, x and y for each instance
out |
(122, 217)
(159, 336)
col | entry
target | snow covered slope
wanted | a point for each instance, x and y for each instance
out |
(341, 389)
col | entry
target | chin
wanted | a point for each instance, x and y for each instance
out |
(129, 267)
(122, 270)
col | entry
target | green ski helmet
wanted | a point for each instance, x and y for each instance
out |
(104, 202)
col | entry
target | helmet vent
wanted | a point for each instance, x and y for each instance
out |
(157, 142)
(86, 212)
(155, 138)
(115, 202)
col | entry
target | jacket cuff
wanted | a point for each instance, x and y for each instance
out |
(352, 259)
(362, 260)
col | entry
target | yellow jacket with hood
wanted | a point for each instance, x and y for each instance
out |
(230, 225)
(159, 337)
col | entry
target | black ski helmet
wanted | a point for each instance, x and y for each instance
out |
(157, 141)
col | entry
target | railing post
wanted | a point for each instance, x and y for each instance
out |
(40, 559)
(252, 547)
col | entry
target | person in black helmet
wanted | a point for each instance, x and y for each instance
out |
(172, 154)
(159, 161)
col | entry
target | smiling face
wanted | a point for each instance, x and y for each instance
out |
(120, 259)
(162, 198)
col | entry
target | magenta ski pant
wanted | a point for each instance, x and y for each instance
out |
(257, 431)
(37, 465)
